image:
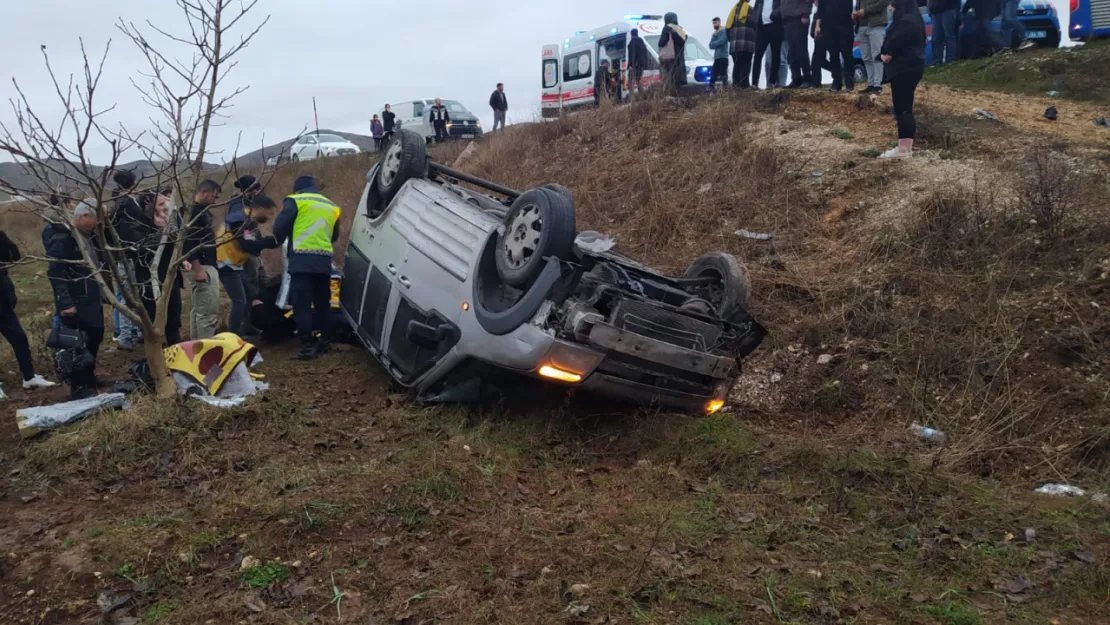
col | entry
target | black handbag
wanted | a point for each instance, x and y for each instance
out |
(66, 338)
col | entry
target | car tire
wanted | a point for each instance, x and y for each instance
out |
(539, 224)
(859, 72)
(732, 292)
(295, 159)
(560, 189)
(405, 158)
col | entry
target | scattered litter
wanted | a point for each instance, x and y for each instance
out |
(1053, 93)
(817, 174)
(758, 236)
(705, 188)
(929, 434)
(32, 421)
(1098, 122)
(593, 242)
(2, 395)
(1030, 535)
(1050, 113)
(987, 115)
(824, 359)
(471, 148)
(1062, 489)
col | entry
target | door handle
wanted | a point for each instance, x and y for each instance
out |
(392, 268)
(405, 282)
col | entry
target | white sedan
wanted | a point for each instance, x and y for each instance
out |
(313, 146)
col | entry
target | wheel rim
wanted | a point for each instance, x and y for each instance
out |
(391, 163)
(522, 237)
(715, 292)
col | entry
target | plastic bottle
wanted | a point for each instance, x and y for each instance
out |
(929, 434)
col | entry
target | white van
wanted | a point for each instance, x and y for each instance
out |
(415, 115)
(568, 69)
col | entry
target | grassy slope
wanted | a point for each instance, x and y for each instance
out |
(1078, 73)
(815, 509)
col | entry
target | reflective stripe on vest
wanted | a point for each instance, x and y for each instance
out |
(316, 217)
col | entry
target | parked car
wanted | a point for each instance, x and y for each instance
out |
(315, 145)
(449, 287)
(416, 115)
(1040, 19)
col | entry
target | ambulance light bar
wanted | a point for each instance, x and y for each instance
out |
(643, 17)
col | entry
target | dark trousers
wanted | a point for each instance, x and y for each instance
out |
(11, 330)
(769, 35)
(377, 144)
(172, 331)
(902, 87)
(819, 60)
(311, 295)
(946, 36)
(838, 41)
(720, 72)
(84, 379)
(797, 38)
(239, 292)
(441, 131)
(741, 69)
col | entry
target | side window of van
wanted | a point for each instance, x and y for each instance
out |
(550, 73)
(418, 109)
(578, 66)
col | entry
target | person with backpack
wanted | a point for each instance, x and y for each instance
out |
(903, 54)
(10, 328)
(672, 53)
(741, 41)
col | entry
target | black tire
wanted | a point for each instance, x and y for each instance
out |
(859, 72)
(295, 159)
(560, 189)
(404, 158)
(540, 224)
(732, 290)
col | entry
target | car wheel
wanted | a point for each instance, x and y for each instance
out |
(731, 290)
(560, 189)
(540, 224)
(859, 71)
(295, 159)
(405, 158)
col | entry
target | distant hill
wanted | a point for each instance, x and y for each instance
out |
(258, 157)
(14, 174)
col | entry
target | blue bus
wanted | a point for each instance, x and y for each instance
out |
(1090, 19)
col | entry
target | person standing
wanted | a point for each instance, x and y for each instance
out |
(125, 217)
(601, 82)
(1012, 26)
(389, 118)
(945, 15)
(637, 61)
(834, 27)
(239, 241)
(156, 257)
(741, 40)
(769, 34)
(309, 224)
(904, 55)
(440, 118)
(672, 54)
(77, 296)
(795, 23)
(718, 43)
(10, 328)
(377, 131)
(500, 105)
(872, 18)
(200, 252)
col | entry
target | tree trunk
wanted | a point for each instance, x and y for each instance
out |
(164, 386)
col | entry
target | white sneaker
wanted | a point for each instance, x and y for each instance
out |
(1026, 44)
(38, 382)
(895, 153)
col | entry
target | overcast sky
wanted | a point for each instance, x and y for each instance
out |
(353, 55)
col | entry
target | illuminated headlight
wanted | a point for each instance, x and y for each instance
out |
(566, 362)
(449, 124)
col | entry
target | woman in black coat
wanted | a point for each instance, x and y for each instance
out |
(904, 56)
(673, 39)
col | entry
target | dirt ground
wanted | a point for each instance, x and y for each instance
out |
(330, 499)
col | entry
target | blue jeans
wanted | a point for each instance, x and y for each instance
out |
(1010, 23)
(946, 37)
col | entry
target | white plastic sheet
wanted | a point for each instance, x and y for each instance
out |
(32, 421)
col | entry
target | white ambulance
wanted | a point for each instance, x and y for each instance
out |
(568, 68)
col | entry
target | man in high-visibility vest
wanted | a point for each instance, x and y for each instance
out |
(309, 222)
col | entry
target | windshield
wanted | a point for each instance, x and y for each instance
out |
(454, 107)
(694, 49)
(331, 139)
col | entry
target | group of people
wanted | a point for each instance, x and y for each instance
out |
(142, 237)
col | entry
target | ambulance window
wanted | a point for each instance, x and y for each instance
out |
(550, 73)
(417, 109)
(577, 66)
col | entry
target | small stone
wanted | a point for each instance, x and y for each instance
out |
(249, 562)
(31, 593)
(579, 589)
(824, 359)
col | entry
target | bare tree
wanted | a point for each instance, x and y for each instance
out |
(183, 84)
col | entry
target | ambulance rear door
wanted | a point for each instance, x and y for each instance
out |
(551, 101)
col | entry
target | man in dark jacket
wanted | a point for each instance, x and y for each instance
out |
(872, 18)
(795, 23)
(440, 118)
(500, 105)
(389, 118)
(200, 252)
(240, 245)
(10, 327)
(945, 15)
(601, 82)
(834, 28)
(637, 61)
(77, 296)
(127, 219)
(769, 33)
(309, 222)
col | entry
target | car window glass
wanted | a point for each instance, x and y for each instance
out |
(417, 109)
(579, 65)
(310, 140)
(550, 73)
